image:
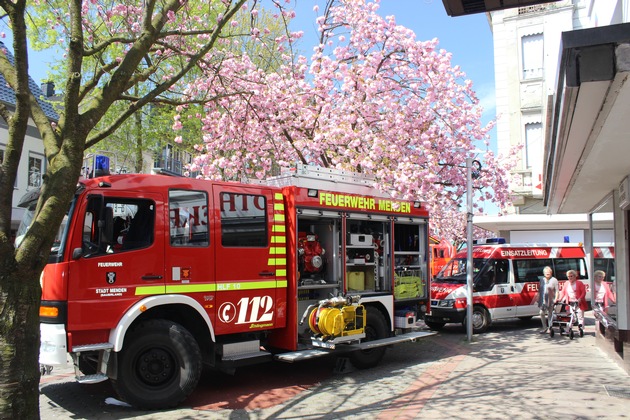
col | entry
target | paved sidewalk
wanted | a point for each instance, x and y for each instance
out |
(509, 372)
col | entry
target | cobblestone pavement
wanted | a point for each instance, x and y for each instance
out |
(509, 372)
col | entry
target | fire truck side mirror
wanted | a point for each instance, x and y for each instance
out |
(77, 253)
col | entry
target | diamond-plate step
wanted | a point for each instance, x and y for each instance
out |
(618, 391)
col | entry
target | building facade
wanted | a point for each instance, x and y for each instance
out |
(562, 77)
(526, 45)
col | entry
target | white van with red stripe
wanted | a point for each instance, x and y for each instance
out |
(505, 282)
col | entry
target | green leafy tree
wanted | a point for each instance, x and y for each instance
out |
(118, 55)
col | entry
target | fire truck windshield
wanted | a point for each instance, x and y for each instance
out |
(29, 213)
(455, 270)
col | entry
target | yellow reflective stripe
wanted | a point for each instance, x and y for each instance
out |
(150, 290)
(278, 250)
(278, 206)
(250, 285)
(278, 239)
(210, 287)
(278, 228)
(191, 288)
(281, 272)
(277, 261)
(278, 217)
(278, 196)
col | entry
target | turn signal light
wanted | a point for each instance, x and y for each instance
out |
(48, 311)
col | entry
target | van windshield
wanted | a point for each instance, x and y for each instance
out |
(455, 270)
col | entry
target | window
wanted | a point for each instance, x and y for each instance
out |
(35, 167)
(562, 265)
(114, 225)
(243, 220)
(533, 144)
(607, 265)
(532, 50)
(188, 214)
(528, 271)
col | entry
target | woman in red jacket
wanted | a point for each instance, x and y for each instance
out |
(575, 291)
(603, 295)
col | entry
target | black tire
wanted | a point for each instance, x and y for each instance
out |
(581, 332)
(375, 328)
(551, 333)
(481, 320)
(159, 365)
(571, 334)
(435, 326)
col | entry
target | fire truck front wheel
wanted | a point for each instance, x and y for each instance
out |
(159, 365)
(375, 328)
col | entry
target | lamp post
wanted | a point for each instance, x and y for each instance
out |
(469, 253)
(469, 241)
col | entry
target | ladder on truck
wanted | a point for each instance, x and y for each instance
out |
(316, 177)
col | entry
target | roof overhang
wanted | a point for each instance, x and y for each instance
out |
(469, 7)
(587, 147)
(515, 222)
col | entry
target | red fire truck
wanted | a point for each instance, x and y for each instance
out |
(153, 277)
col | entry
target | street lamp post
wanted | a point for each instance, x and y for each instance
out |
(469, 249)
(469, 241)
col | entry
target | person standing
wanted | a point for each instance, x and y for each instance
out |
(603, 295)
(547, 295)
(574, 291)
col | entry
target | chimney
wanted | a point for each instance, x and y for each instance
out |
(48, 88)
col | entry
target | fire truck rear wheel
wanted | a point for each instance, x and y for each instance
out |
(159, 365)
(375, 328)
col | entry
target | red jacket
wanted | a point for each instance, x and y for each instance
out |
(580, 294)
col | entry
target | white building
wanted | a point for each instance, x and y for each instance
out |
(32, 162)
(526, 46)
(562, 77)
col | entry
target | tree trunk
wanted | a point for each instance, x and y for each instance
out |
(20, 295)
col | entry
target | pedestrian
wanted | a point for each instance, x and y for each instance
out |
(603, 295)
(574, 292)
(547, 295)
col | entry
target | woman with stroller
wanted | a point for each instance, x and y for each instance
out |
(547, 295)
(603, 295)
(573, 292)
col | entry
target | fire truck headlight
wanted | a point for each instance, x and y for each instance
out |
(446, 303)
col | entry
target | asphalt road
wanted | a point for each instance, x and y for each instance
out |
(511, 371)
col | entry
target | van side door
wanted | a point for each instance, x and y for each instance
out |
(494, 290)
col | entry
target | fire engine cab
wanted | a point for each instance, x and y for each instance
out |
(153, 277)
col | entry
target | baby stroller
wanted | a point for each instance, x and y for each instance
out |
(564, 316)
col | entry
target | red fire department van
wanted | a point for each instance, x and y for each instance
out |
(505, 281)
(153, 277)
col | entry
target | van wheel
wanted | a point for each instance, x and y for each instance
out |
(480, 320)
(159, 365)
(375, 329)
(435, 326)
